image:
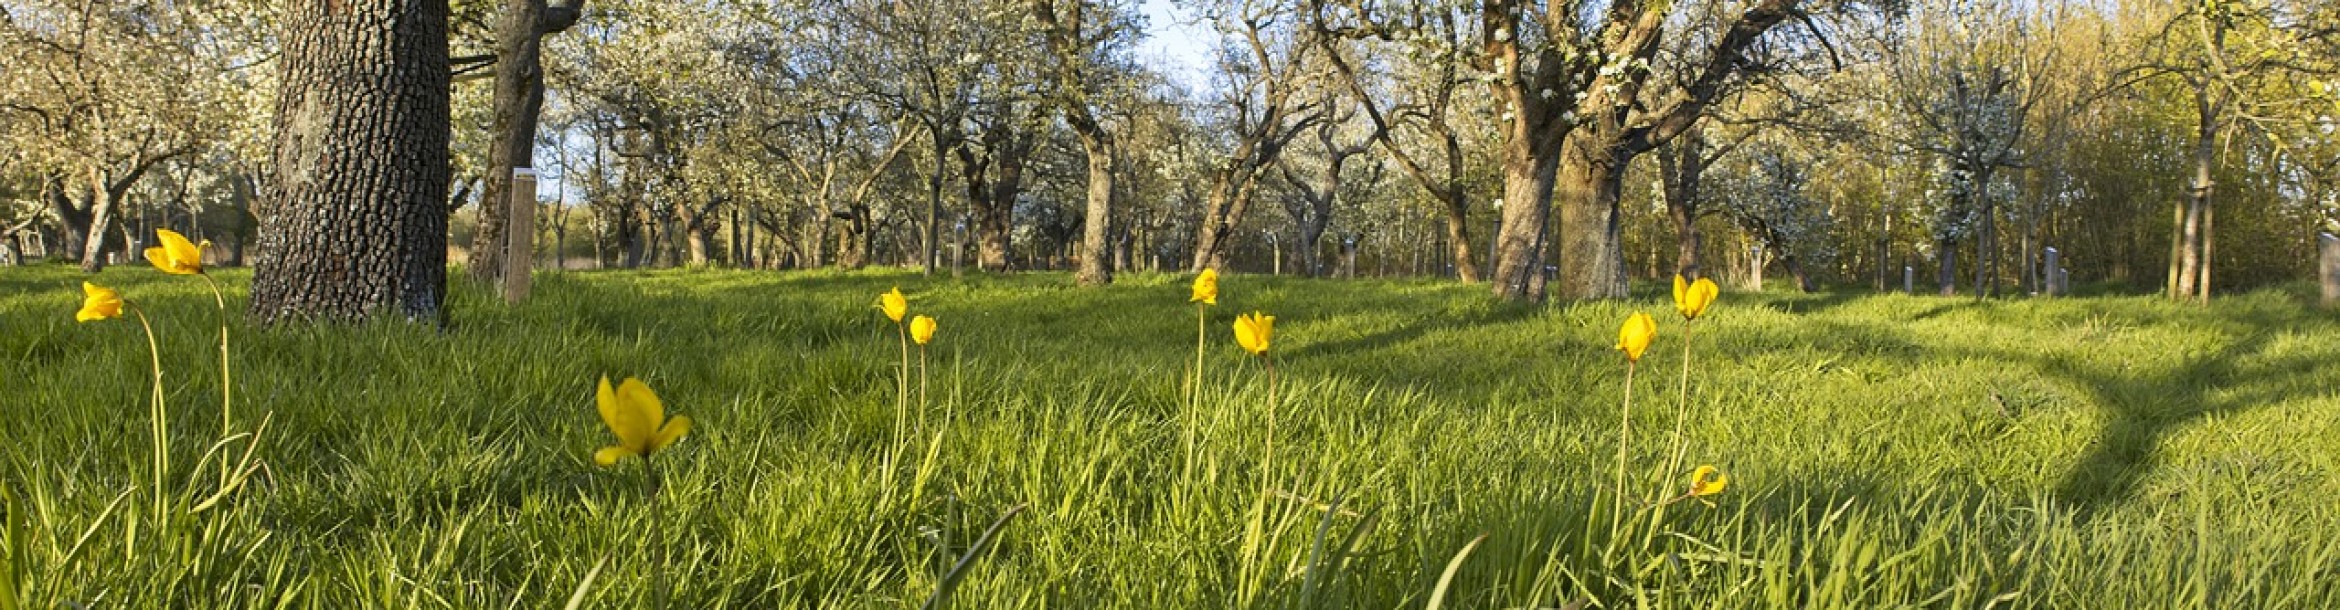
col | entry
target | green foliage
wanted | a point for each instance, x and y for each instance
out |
(1884, 451)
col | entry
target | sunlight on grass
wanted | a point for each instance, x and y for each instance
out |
(1881, 451)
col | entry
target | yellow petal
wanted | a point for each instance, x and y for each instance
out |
(605, 400)
(160, 258)
(894, 304)
(1634, 336)
(1255, 332)
(1692, 298)
(610, 455)
(922, 329)
(1708, 480)
(639, 415)
(179, 255)
(673, 431)
(98, 303)
(1206, 287)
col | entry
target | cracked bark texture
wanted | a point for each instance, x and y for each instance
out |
(354, 221)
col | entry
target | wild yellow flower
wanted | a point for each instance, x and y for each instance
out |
(634, 413)
(894, 304)
(1253, 331)
(1691, 298)
(1633, 338)
(98, 303)
(922, 329)
(1708, 480)
(176, 255)
(1206, 287)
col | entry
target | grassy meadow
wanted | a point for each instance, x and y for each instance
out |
(1883, 451)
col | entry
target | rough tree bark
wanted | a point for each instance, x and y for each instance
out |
(355, 223)
(992, 166)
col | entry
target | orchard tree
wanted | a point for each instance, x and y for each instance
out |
(354, 223)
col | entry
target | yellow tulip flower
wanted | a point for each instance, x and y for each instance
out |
(1206, 287)
(922, 329)
(1691, 298)
(176, 255)
(98, 303)
(634, 413)
(1708, 480)
(894, 304)
(1633, 338)
(1253, 331)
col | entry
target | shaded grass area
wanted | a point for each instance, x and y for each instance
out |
(1885, 451)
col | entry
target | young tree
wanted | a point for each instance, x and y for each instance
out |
(1085, 38)
(518, 102)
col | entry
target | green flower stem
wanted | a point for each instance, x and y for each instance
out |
(1624, 436)
(160, 415)
(658, 542)
(227, 392)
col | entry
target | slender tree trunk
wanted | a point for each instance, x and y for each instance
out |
(518, 96)
(2192, 263)
(101, 216)
(1096, 268)
(356, 223)
(1986, 250)
(931, 244)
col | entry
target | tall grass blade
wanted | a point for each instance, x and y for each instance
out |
(950, 581)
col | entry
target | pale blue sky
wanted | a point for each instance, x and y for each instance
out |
(1180, 44)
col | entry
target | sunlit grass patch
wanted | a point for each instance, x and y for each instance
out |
(2108, 452)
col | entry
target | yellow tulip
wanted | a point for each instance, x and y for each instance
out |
(176, 255)
(1253, 331)
(1206, 287)
(1691, 298)
(98, 303)
(922, 329)
(1633, 338)
(1707, 481)
(894, 304)
(638, 419)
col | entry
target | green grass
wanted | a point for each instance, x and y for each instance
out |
(1885, 451)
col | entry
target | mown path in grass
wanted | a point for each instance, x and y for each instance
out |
(2109, 452)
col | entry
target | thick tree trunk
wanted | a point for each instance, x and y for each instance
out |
(1458, 235)
(1795, 269)
(356, 223)
(1519, 243)
(73, 219)
(1681, 168)
(1592, 254)
(1946, 252)
(993, 184)
(1096, 267)
(241, 205)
